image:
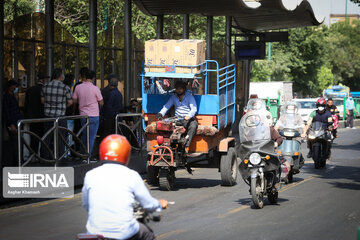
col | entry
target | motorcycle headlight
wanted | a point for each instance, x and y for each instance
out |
(255, 158)
(289, 134)
(311, 137)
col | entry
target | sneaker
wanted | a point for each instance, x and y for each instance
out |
(277, 186)
(347, 127)
(309, 155)
(353, 127)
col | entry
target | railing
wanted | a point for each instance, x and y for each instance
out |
(54, 151)
(130, 126)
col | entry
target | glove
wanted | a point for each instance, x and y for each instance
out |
(158, 116)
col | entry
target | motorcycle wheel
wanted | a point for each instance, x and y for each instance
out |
(153, 175)
(256, 193)
(316, 156)
(290, 176)
(273, 197)
(166, 179)
(229, 168)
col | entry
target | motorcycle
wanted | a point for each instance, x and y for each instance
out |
(290, 124)
(140, 214)
(321, 141)
(260, 165)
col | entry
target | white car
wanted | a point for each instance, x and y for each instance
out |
(308, 105)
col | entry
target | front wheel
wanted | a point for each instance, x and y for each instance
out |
(316, 155)
(257, 193)
(290, 176)
(229, 168)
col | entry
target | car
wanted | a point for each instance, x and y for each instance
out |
(308, 105)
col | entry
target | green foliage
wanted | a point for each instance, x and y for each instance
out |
(18, 7)
(356, 1)
(325, 77)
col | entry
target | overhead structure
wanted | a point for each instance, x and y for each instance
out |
(249, 15)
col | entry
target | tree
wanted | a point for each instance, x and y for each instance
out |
(17, 7)
(356, 1)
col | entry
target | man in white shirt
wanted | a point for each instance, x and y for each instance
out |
(110, 191)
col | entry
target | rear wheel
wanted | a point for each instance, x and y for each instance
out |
(290, 176)
(316, 156)
(229, 168)
(273, 196)
(166, 179)
(153, 175)
(257, 193)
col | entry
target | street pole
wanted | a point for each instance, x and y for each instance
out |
(346, 10)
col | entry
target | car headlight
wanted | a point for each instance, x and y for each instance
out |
(255, 158)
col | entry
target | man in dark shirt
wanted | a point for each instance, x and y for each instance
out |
(112, 106)
(33, 108)
(11, 115)
(334, 111)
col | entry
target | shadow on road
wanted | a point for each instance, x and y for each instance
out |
(248, 202)
(188, 183)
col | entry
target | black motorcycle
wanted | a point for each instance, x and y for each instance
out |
(260, 165)
(321, 141)
(140, 214)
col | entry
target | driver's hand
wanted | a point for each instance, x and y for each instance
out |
(187, 118)
(158, 116)
(163, 203)
(276, 144)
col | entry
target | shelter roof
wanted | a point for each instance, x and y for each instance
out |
(254, 15)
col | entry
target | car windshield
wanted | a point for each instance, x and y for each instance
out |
(338, 102)
(308, 105)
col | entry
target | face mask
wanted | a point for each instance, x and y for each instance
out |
(321, 109)
(15, 90)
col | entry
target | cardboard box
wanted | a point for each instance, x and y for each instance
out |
(194, 54)
(164, 56)
(151, 47)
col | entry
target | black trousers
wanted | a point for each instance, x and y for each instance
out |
(49, 140)
(38, 129)
(191, 127)
(350, 119)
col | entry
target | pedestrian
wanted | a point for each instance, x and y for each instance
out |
(55, 96)
(11, 115)
(34, 109)
(112, 106)
(69, 81)
(89, 97)
(350, 109)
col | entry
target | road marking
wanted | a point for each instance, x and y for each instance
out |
(168, 234)
(34, 205)
(233, 211)
(296, 184)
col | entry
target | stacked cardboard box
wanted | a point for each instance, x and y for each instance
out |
(171, 53)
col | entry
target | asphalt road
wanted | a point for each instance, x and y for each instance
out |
(320, 204)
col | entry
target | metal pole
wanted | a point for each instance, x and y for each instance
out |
(346, 9)
(63, 53)
(186, 19)
(160, 26)
(209, 38)
(102, 70)
(1, 72)
(77, 64)
(49, 37)
(228, 40)
(92, 34)
(128, 51)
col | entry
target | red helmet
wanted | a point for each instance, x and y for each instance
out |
(321, 102)
(115, 148)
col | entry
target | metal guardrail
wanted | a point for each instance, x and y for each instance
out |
(133, 133)
(54, 154)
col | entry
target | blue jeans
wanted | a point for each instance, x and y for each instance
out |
(93, 125)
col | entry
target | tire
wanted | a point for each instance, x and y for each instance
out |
(316, 156)
(166, 179)
(229, 168)
(153, 175)
(256, 194)
(290, 176)
(273, 197)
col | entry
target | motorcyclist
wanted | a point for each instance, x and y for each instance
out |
(320, 115)
(290, 113)
(110, 191)
(185, 107)
(334, 111)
